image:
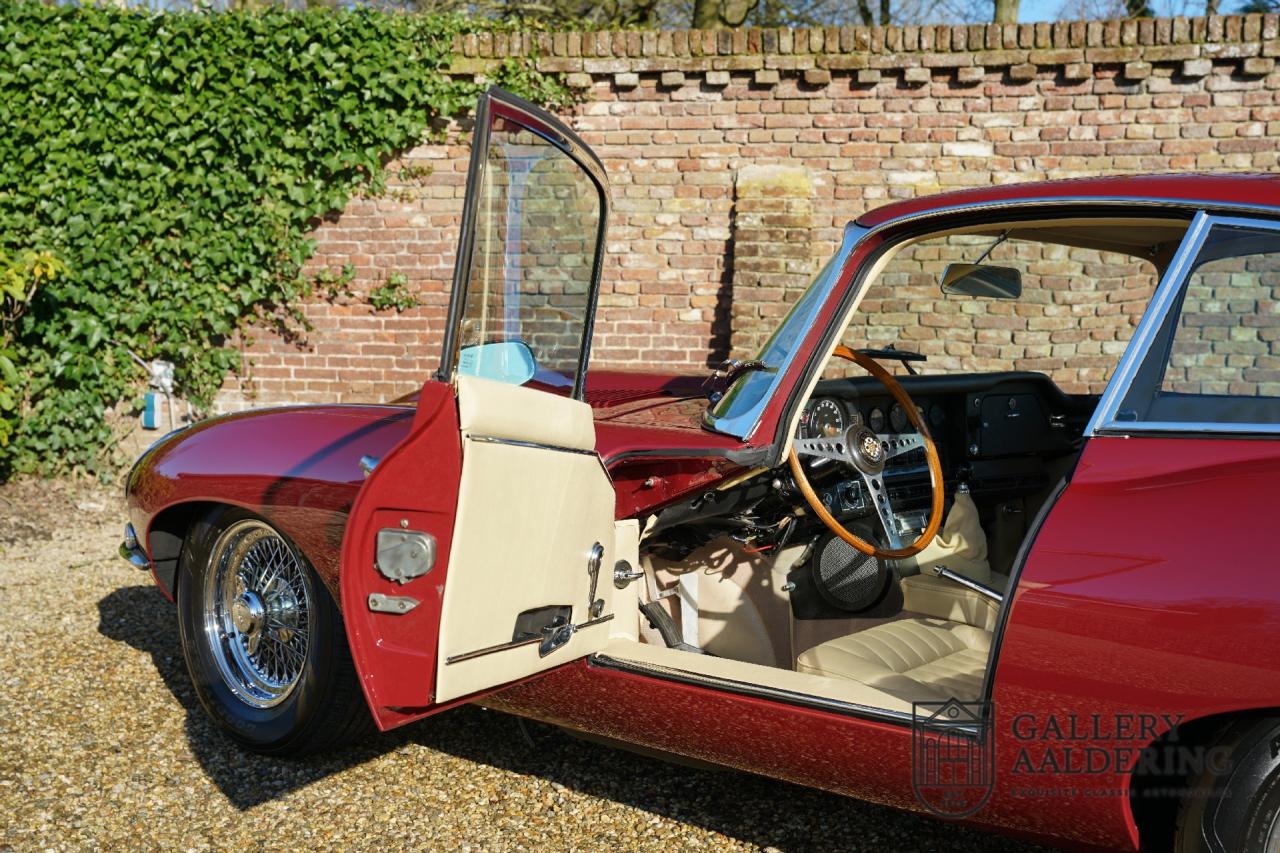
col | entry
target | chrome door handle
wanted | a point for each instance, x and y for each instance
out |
(623, 574)
(554, 636)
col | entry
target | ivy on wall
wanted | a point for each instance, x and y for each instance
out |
(173, 166)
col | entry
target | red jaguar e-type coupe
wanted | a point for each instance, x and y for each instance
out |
(945, 585)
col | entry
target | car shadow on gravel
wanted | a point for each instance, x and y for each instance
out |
(752, 809)
(142, 617)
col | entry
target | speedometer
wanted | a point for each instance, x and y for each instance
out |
(823, 418)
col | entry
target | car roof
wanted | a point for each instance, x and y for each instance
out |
(1250, 191)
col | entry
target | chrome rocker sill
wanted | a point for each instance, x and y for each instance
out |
(131, 551)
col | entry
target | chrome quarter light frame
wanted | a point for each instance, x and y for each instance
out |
(1106, 417)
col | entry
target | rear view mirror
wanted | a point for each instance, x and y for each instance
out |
(982, 280)
(509, 362)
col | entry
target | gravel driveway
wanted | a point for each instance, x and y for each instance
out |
(102, 744)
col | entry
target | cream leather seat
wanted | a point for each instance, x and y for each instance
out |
(940, 650)
(919, 658)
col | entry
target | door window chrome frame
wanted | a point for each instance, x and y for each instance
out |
(559, 136)
(1166, 299)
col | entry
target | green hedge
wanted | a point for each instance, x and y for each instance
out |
(173, 165)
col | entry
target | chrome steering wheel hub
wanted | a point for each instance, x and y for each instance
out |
(866, 450)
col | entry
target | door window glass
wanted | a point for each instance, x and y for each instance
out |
(537, 224)
(1216, 360)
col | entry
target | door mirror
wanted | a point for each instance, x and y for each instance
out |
(982, 280)
(509, 362)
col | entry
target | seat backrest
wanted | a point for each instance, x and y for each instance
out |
(930, 595)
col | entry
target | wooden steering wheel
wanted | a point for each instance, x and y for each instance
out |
(866, 452)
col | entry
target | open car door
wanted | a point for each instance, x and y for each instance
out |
(481, 550)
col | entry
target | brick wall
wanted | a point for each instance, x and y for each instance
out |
(736, 157)
(1227, 338)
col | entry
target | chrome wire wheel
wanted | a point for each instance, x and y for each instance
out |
(258, 614)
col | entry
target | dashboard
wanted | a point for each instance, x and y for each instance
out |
(829, 416)
(993, 431)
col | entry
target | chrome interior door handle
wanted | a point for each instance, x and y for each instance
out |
(554, 636)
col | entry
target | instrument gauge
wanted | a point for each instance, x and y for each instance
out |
(936, 415)
(875, 419)
(898, 418)
(824, 418)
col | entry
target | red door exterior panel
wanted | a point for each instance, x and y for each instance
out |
(417, 483)
(1151, 595)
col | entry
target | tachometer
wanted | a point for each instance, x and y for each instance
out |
(823, 418)
(875, 419)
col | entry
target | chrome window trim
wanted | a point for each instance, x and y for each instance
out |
(572, 146)
(1187, 204)
(1103, 422)
(535, 445)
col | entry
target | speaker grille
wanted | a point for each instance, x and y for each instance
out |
(846, 577)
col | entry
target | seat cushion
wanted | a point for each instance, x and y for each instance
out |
(917, 659)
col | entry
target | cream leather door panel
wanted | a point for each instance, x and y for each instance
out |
(533, 505)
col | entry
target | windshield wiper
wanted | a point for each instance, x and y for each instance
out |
(728, 372)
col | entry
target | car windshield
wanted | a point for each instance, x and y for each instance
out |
(736, 412)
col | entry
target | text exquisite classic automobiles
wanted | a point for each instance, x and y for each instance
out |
(1041, 606)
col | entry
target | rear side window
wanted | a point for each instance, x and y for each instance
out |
(1216, 358)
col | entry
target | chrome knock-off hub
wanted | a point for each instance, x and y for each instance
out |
(246, 614)
(258, 614)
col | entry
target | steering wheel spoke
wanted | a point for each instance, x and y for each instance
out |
(833, 448)
(896, 445)
(878, 494)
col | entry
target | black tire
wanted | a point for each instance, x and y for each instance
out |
(322, 707)
(1234, 804)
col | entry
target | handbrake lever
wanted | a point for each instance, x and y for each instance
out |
(980, 588)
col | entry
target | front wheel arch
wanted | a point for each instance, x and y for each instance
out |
(167, 536)
(324, 709)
